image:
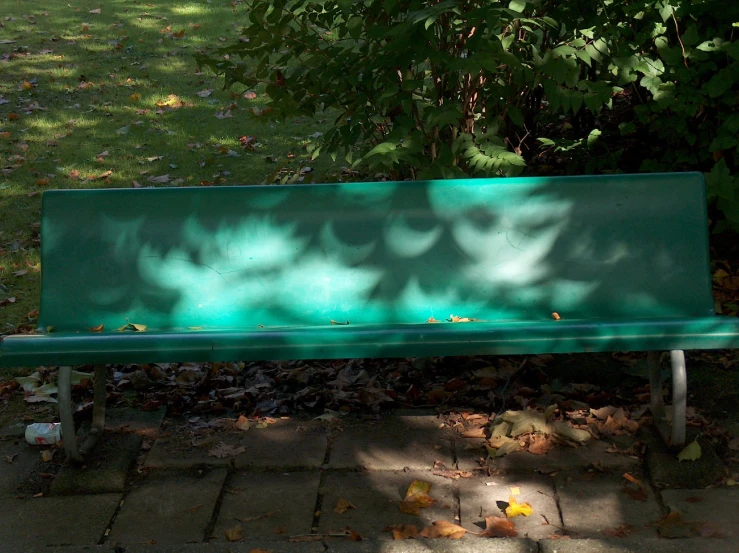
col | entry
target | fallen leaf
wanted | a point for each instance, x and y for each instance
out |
(734, 444)
(564, 430)
(342, 506)
(402, 531)
(96, 11)
(499, 527)
(453, 474)
(194, 508)
(620, 532)
(222, 450)
(475, 432)
(525, 422)
(515, 509)
(98, 328)
(540, 445)
(205, 93)
(691, 452)
(418, 492)
(243, 423)
(235, 533)
(10, 458)
(47, 455)
(250, 519)
(673, 526)
(556, 316)
(161, 179)
(443, 529)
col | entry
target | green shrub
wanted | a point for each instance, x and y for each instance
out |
(456, 88)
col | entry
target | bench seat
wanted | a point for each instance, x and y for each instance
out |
(374, 340)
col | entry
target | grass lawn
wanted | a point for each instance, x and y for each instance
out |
(108, 95)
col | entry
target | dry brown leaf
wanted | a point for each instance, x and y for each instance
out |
(222, 450)
(402, 531)
(453, 474)
(235, 533)
(622, 531)
(499, 527)
(443, 529)
(243, 423)
(342, 506)
(98, 328)
(540, 445)
(474, 432)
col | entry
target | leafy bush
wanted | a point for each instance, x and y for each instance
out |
(452, 88)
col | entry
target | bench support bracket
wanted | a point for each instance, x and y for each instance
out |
(66, 412)
(679, 395)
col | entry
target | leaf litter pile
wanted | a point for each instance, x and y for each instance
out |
(508, 403)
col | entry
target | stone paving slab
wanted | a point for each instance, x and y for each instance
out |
(376, 496)
(38, 522)
(471, 450)
(14, 430)
(285, 445)
(478, 499)
(615, 545)
(284, 501)
(169, 508)
(413, 442)
(105, 467)
(465, 545)
(717, 507)
(24, 458)
(594, 504)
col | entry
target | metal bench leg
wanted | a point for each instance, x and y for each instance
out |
(98, 409)
(655, 386)
(65, 414)
(679, 397)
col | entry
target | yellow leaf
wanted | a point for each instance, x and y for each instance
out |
(418, 492)
(731, 482)
(25, 85)
(47, 455)
(691, 452)
(515, 491)
(137, 327)
(515, 509)
(135, 97)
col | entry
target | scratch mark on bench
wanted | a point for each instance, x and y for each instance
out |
(220, 273)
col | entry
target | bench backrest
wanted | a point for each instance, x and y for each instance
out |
(591, 247)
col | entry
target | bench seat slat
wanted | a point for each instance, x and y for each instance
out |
(363, 341)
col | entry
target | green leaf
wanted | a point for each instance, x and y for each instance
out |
(515, 116)
(691, 452)
(517, 5)
(593, 137)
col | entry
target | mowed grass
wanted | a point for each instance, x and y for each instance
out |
(109, 95)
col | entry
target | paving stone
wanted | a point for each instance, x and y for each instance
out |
(717, 508)
(470, 451)
(130, 419)
(478, 499)
(169, 508)
(667, 471)
(376, 496)
(469, 544)
(38, 522)
(285, 445)
(594, 504)
(105, 467)
(413, 442)
(14, 430)
(284, 501)
(616, 545)
(24, 458)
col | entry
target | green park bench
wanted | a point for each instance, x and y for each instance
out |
(375, 269)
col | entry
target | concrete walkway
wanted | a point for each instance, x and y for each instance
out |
(189, 487)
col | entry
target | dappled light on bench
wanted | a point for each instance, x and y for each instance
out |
(374, 253)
